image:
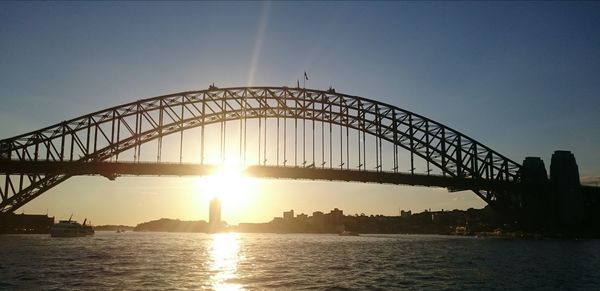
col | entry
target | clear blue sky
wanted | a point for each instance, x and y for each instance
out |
(521, 78)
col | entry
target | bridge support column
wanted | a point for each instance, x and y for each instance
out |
(555, 204)
(564, 178)
(537, 201)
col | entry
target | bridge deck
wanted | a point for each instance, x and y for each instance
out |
(112, 170)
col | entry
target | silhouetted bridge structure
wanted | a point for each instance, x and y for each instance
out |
(112, 170)
(274, 132)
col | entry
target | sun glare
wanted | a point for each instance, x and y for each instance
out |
(229, 185)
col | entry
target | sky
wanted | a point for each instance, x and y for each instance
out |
(520, 77)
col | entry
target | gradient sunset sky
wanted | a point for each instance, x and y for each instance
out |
(522, 78)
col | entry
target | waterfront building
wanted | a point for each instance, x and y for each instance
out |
(302, 217)
(405, 214)
(25, 223)
(317, 220)
(288, 215)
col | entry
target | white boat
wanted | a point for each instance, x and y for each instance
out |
(70, 228)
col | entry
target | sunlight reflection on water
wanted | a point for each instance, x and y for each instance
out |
(231, 261)
(224, 258)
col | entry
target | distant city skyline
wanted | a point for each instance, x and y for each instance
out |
(518, 77)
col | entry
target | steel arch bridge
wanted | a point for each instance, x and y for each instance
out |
(313, 140)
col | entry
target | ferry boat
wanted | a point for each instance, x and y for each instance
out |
(70, 228)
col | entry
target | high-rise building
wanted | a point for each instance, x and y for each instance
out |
(214, 213)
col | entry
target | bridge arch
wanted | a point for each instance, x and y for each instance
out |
(105, 134)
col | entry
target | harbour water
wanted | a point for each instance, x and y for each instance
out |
(230, 261)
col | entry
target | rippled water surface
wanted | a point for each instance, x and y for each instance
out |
(161, 261)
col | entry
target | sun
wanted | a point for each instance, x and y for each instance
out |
(229, 185)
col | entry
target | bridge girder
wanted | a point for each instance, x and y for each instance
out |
(112, 170)
(102, 135)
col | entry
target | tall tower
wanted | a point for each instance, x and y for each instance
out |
(564, 178)
(214, 214)
(538, 204)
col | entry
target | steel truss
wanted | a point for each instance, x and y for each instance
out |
(103, 135)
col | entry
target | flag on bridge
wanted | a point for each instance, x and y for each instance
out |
(305, 76)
